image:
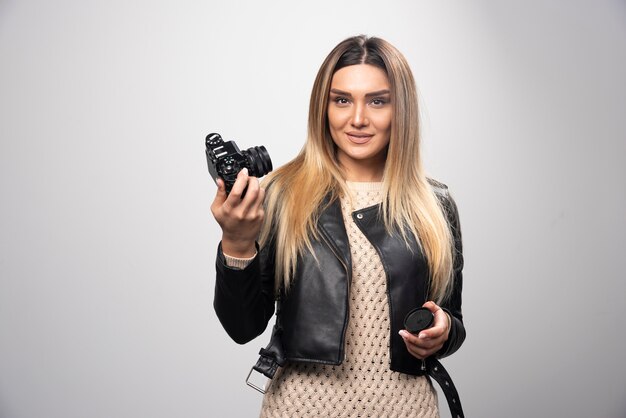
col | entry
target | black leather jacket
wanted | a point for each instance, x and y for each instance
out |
(314, 312)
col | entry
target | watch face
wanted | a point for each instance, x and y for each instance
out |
(417, 320)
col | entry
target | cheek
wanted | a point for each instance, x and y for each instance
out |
(383, 123)
(385, 120)
(336, 119)
(332, 125)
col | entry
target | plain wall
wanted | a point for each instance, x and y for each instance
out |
(107, 244)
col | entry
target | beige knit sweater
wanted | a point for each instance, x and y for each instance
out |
(363, 385)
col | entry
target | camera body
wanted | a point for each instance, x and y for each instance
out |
(225, 160)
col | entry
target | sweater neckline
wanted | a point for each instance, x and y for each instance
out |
(366, 186)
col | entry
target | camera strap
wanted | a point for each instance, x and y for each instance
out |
(272, 357)
(436, 370)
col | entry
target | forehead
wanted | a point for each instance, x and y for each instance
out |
(360, 78)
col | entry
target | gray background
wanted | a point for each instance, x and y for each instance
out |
(107, 244)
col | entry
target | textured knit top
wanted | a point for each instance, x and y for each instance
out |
(363, 385)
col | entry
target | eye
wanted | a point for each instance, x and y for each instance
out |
(379, 101)
(341, 100)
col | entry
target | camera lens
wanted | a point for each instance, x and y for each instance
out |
(418, 319)
(259, 162)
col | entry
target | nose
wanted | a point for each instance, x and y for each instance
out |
(359, 116)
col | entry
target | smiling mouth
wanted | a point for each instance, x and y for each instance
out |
(359, 137)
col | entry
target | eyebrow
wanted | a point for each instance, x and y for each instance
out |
(374, 93)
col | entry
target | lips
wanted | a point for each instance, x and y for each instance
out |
(359, 137)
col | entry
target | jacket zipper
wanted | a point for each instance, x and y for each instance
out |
(349, 276)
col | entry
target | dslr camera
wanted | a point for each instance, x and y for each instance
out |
(225, 160)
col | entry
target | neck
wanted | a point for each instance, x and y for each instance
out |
(363, 173)
(369, 169)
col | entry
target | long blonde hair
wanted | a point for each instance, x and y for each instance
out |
(297, 191)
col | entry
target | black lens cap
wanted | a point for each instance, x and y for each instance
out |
(418, 319)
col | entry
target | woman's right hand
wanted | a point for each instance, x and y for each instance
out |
(240, 219)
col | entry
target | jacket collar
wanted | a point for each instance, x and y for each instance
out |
(330, 224)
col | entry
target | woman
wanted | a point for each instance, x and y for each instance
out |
(351, 237)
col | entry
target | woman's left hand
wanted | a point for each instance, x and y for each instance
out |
(430, 340)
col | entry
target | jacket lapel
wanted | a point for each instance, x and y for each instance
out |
(330, 224)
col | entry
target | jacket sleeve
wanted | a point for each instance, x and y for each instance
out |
(244, 298)
(452, 305)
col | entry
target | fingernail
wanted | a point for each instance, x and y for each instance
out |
(421, 336)
(245, 171)
(402, 334)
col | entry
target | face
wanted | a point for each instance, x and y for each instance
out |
(359, 117)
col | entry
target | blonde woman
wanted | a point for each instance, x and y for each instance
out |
(343, 242)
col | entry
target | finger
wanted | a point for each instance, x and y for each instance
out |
(260, 199)
(252, 192)
(431, 306)
(422, 353)
(408, 337)
(257, 207)
(416, 343)
(247, 207)
(426, 349)
(220, 195)
(234, 198)
(415, 350)
(438, 329)
(420, 342)
(439, 324)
